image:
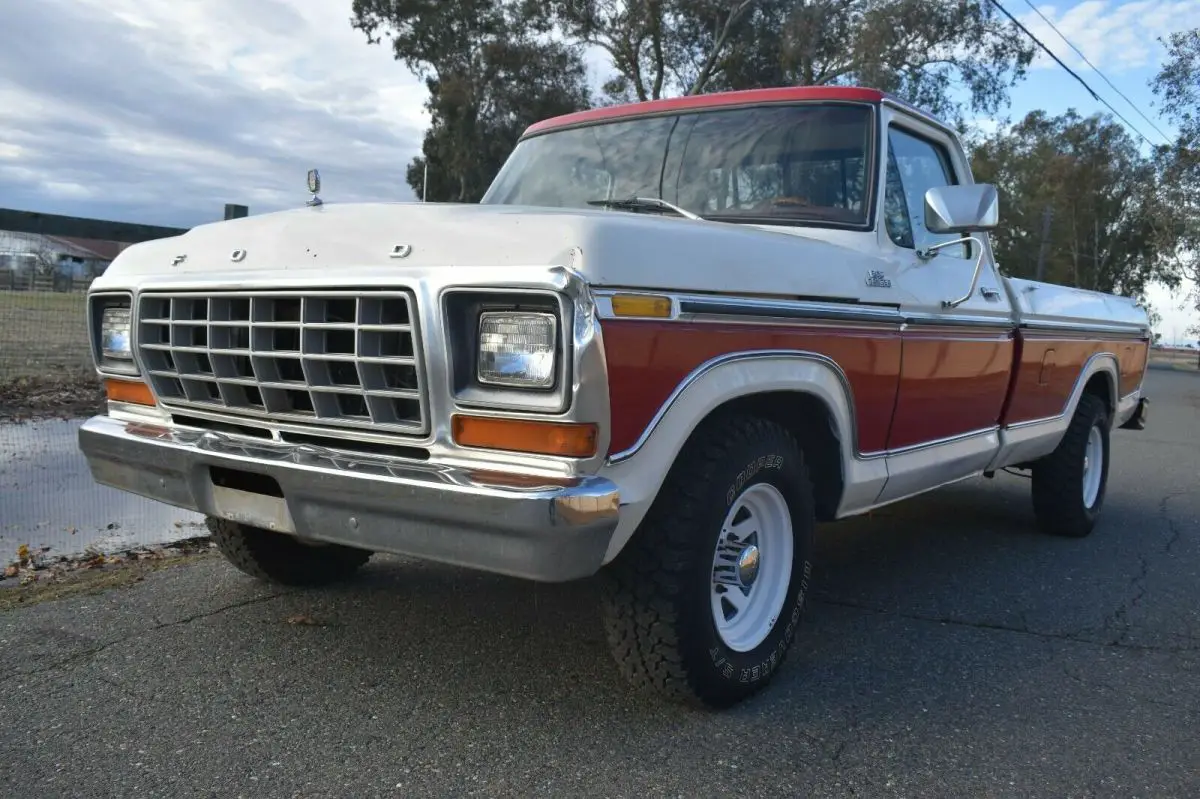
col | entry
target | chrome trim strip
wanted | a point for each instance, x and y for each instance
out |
(1121, 331)
(734, 308)
(932, 321)
(799, 309)
(954, 439)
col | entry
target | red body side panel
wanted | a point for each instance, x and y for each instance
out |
(648, 359)
(1050, 365)
(950, 383)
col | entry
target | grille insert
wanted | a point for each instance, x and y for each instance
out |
(336, 359)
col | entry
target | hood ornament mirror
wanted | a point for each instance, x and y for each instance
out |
(314, 186)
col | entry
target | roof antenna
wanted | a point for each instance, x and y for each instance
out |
(314, 186)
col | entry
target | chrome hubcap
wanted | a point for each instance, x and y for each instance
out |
(747, 565)
(752, 567)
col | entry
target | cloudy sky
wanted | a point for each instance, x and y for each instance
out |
(161, 112)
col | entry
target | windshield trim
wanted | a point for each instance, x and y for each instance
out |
(871, 166)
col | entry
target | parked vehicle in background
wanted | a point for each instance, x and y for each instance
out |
(672, 338)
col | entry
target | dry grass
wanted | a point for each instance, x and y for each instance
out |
(1175, 358)
(42, 334)
(45, 359)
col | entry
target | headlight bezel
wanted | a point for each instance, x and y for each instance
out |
(98, 305)
(463, 310)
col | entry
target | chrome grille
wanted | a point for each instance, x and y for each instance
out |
(330, 359)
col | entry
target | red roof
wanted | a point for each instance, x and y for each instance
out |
(715, 100)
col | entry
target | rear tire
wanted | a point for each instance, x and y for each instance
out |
(1069, 484)
(673, 620)
(281, 558)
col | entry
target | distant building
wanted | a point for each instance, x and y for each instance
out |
(29, 257)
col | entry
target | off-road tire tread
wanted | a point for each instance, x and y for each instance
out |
(278, 558)
(1057, 477)
(640, 616)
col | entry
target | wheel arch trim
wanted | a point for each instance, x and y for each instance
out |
(641, 470)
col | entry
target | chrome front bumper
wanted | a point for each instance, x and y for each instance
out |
(537, 528)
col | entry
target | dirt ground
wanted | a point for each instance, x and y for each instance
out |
(45, 366)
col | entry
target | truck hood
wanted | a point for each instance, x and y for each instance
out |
(610, 248)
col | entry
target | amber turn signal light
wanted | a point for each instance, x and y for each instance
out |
(134, 392)
(641, 305)
(522, 435)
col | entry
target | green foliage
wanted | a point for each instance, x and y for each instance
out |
(494, 66)
(1178, 85)
(1105, 228)
(490, 71)
(921, 50)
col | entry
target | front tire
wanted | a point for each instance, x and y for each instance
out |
(703, 602)
(1069, 484)
(281, 558)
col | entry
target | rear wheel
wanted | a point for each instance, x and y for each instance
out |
(281, 558)
(703, 602)
(1069, 484)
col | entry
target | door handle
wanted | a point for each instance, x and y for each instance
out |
(990, 294)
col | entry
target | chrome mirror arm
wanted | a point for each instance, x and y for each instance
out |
(931, 251)
(974, 277)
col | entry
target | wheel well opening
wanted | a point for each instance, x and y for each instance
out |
(1100, 386)
(806, 418)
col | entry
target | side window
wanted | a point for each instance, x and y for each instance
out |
(914, 166)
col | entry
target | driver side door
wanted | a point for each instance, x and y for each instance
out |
(957, 347)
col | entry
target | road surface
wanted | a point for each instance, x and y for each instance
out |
(949, 650)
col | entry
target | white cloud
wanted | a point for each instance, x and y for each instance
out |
(163, 112)
(1114, 36)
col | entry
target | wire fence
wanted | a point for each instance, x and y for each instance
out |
(50, 507)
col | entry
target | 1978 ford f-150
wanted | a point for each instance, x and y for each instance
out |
(672, 338)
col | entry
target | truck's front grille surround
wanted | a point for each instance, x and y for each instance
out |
(332, 359)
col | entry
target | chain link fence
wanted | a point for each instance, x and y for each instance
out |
(50, 508)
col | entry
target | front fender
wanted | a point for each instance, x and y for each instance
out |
(639, 471)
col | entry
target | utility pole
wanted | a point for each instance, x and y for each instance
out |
(1047, 213)
(425, 182)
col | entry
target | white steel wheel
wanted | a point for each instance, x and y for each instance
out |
(1093, 466)
(752, 567)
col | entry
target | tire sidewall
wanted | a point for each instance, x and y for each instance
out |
(776, 461)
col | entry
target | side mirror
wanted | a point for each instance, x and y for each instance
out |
(962, 209)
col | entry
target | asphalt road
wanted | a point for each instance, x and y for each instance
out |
(949, 650)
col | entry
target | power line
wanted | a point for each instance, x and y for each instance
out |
(1097, 71)
(1072, 72)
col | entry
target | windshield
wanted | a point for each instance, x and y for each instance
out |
(776, 164)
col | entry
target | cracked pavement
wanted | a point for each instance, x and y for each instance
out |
(948, 650)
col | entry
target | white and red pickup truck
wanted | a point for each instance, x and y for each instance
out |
(672, 338)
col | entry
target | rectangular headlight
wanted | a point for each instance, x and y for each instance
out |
(115, 337)
(517, 349)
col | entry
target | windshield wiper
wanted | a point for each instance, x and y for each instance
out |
(644, 203)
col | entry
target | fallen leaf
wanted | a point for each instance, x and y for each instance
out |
(301, 618)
